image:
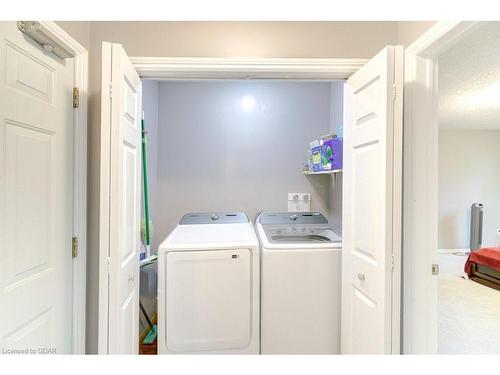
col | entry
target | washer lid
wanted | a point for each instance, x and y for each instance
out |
(292, 218)
(214, 218)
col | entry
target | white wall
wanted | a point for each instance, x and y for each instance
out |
(409, 31)
(249, 39)
(79, 30)
(469, 172)
(469, 144)
(471, 102)
(215, 156)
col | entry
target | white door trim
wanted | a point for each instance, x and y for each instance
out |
(420, 184)
(104, 206)
(397, 206)
(80, 55)
(174, 68)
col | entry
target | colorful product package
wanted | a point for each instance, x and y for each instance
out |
(331, 152)
(316, 159)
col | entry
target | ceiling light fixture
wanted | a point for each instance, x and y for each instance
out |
(248, 103)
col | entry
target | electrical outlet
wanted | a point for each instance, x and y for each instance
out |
(299, 202)
(299, 196)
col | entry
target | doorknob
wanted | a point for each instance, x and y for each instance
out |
(131, 278)
(361, 276)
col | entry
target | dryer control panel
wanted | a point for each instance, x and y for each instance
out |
(214, 218)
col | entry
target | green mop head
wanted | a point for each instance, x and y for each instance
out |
(151, 336)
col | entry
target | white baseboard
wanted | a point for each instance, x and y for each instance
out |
(451, 251)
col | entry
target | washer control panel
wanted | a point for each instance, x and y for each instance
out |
(292, 218)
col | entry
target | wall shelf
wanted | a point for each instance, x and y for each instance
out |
(333, 171)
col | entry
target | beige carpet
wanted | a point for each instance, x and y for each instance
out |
(469, 317)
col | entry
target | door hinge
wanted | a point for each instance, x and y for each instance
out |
(110, 90)
(74, 247)
(76, 97)
(393, 92)
(435, 269)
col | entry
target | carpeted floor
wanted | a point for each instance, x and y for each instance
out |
(469, 317)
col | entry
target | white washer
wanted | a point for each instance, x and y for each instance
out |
(300, 283)
(208, 286)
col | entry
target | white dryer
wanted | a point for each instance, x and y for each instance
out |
(208, 286)
(300, 283)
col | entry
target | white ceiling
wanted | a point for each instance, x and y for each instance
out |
(469, 81)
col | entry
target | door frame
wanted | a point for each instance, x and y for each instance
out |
(201, 68)
(80, 56)
(311, 69)
(420, 192)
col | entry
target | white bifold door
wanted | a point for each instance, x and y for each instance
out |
(120, 203)
(372, 206)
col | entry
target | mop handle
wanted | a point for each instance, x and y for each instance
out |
(145, 180)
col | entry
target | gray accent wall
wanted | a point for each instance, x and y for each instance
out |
(205, 135)
(214, 156)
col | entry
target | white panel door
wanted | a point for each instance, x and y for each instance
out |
(371, 207)
(36, 195)
(120, 203)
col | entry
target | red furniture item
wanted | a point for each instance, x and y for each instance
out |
(488, 256)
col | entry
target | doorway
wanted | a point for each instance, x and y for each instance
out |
(468, 174)
(450, 145)
(372, 258)
(237, 145)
